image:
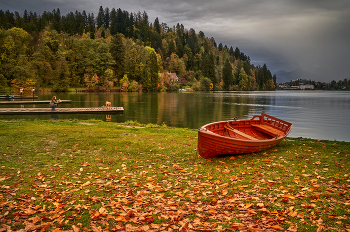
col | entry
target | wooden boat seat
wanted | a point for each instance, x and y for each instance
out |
(228, 127)
(269, 130)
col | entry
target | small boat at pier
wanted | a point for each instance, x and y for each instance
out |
(259, 133)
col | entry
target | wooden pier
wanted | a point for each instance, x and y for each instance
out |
(92, 110)
(31, 102)
(17, 97)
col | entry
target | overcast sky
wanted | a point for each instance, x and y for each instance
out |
(313, 35)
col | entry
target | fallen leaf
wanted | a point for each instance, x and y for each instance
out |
(223, 185)
(75, 228)
(86, 184)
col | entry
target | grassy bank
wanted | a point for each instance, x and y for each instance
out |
(93, 175)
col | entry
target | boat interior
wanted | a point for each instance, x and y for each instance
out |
(260, 127)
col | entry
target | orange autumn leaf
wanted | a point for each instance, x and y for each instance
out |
(102, 210)
(223, 185)
(226, 171)
(248, 205)
(293, 214)
(288, 196)
(75, 228)
(260, 204)
(277, 227)
(86, 184)
(120, 219)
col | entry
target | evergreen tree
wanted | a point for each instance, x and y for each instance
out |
(156, 41)
(91, 25)
(220, 47)
(171, 48)
(227, 75)
(85, 18)
(56, 20)
(237, 53)
(100, 17)
(153, 67)
(25, 16)
(143, 26)
(8, 20)
(236, 72)
(106, 20)
(117, 51)
(114, 22)
(80, 23)
(264, 78)
(179, 47)
(231, 52)
(131, 31)
(211, 70)
(120, 21)
(156, 25)
(243, 80)
(192, 40)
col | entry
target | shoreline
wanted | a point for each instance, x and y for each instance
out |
(140, 125)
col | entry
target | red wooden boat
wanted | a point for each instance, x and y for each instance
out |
(259, 133)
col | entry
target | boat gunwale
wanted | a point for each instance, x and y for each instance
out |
(203, 129)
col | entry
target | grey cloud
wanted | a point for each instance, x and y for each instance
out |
(311, 34)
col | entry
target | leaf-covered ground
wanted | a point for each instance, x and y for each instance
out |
(100, 176)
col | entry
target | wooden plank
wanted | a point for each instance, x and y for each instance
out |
(18, 97)
(16, 111)
(31, 102)
(268, 129)
(12, 95)
(227, 126)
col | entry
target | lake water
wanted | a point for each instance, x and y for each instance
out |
(314, 114)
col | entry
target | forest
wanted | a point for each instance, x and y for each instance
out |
(118, 50)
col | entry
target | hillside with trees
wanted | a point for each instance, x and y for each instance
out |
(118, 50)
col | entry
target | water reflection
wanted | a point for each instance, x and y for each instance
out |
(314, 114)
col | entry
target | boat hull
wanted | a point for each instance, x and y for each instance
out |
(243, 136)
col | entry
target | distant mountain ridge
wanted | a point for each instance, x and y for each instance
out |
(284, 76)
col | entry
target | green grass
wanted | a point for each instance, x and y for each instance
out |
(96, 175)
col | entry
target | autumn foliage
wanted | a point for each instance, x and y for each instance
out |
(98, 176)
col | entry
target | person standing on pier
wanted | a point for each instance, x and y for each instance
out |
(54, 102)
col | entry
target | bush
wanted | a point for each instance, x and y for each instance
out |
(133, 86)
(205, 84)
